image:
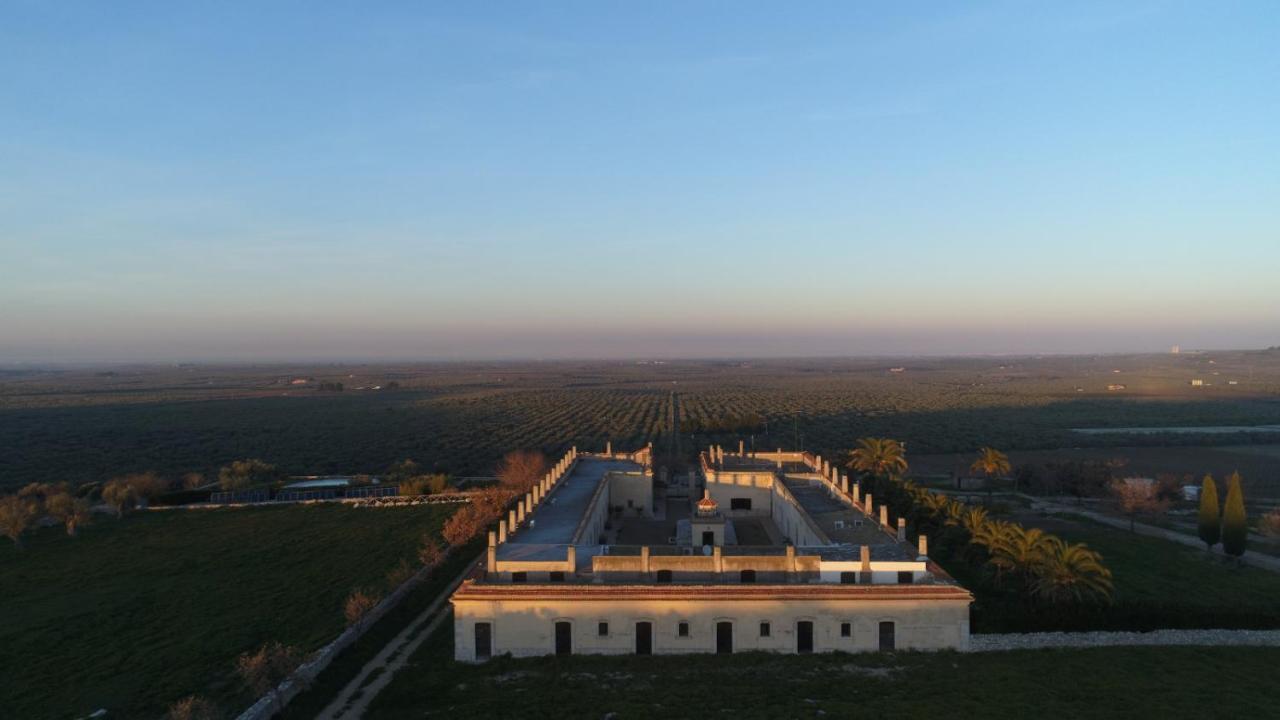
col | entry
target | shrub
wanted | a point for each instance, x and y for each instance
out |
(193, 707)
(430, 554)
(397, 575)
(358, 605)
(424, 484)
(193, 481)
(263, 670)
(242, 474)
(72, 512)
(1269, 524)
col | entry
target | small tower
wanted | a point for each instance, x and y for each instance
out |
(707, 524)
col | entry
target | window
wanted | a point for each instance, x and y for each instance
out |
(519, 577)
(846, 629)
(747, 576)
(905, 577)
(556, 576)
(864, 578)
(739, 503)
(764, 629)
(848, 577)
(683, 629)
(664, 576)
(603, 629)
(484, 641)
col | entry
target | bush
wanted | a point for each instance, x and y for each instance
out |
(242, 474)
(193, 707)
(424, 484)
(261, 671)
(358, 605)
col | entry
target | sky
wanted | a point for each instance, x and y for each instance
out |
(281, 181)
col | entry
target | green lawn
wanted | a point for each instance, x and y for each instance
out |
(135, 614)
(1158, 584)
(1095, 683)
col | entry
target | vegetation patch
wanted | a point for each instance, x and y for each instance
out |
(135, 614)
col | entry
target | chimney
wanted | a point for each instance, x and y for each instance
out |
(791, 558)
(864, 554)
(644, 559)
(493, 539)
(884, 515)
(870, 507)
(924, 546)
(491, 564)
(717, 560)
(902, 529)
(571, 564)
(742, 447)
(502, 531)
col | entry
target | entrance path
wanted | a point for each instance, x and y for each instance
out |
(1250, 557)
(1028, 641)
(351, 703)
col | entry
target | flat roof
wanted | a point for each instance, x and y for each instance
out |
(557, 517)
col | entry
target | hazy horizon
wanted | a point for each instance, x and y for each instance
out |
(564, 181)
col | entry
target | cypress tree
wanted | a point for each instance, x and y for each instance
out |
(1235, 528)
(1210, 519)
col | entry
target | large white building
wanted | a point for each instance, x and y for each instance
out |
(770, 551)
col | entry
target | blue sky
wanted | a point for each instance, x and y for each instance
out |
(284, 181)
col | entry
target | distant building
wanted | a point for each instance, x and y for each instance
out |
(1197, 382)
(1116, 386)
(897, 370)
(1176, 349)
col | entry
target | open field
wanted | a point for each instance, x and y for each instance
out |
(135, 614)
(86, 425)
(1173, 682)
(1259, 465)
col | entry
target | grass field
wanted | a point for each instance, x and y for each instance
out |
(1095, 683)
(135, 614)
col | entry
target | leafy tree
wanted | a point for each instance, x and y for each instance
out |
(72, 512)
(146, 486)
(403, 470)
(1210, 525)
(16, 515)
(1235, 529)
(1137, 496)
(242, 474)
(520, 469)
(119, 495)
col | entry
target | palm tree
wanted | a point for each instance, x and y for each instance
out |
(881, 458)
(991, 463)
(1071, 572)
(1020, 550)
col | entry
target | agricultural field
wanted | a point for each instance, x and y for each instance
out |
(137, 613)
(1174, 682)
(83, 425)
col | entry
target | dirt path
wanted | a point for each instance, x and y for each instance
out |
(1026, 641)
(1250, 557)
(351, 702)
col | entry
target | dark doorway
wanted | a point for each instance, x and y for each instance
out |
(747, 576)
(708, 537)
(644, 638)
(739, 503)
(724, 637)
(804, 636)
(484, 641)
(564, 638)
(886, 636)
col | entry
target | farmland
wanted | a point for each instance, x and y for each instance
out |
(137, 613)
(85, 425)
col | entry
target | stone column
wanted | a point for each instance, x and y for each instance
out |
(902, 529)
(924, 546)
